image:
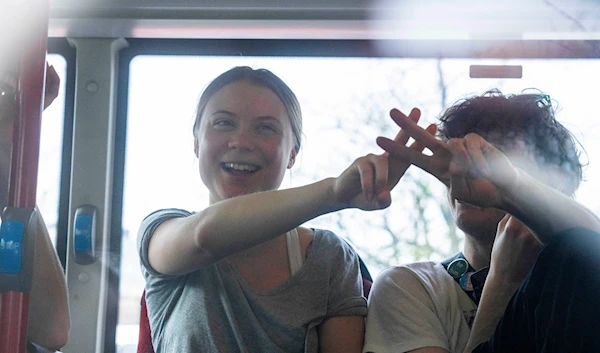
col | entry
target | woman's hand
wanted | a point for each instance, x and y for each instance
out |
(364, 184)
(367, 183)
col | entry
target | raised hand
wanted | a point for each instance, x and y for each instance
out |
(513, 255)
(474, 170)
(479, 173)
(398, 166)
(364, 184)
(367, 183)
(515, 251)
(436, 164)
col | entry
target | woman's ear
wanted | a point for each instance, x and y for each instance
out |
(196, 147)
(292, 159)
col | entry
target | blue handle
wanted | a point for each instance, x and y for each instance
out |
(83, 233)
(11, 246)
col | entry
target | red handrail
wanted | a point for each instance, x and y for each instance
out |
(25, 157)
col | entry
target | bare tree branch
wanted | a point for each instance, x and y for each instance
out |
(564, 14)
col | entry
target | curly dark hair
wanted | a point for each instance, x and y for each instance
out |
(502, 119)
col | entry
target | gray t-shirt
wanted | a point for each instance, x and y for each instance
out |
(215, 310)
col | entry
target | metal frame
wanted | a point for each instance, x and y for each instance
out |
(93, 145)
(62, 47)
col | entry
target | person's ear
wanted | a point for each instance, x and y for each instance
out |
(292, 159)
(196, 147)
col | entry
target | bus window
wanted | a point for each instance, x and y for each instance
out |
(345, 104)
(48, 187)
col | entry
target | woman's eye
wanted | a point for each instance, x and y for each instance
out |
(223, 123)
(266, 128)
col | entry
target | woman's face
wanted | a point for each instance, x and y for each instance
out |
(245, 141)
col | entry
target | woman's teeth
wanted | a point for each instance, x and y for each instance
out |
(241, 167)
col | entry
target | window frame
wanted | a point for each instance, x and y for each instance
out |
(425, 49)
(61, 46)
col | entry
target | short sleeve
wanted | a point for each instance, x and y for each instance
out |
(345, 289)
(402, 315)
(147, 228)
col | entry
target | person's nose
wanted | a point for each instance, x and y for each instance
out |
(242, 139)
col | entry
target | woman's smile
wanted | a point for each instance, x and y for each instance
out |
(240, 169)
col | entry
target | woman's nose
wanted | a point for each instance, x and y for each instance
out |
(242, 140)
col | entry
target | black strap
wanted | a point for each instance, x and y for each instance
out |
(364, 271)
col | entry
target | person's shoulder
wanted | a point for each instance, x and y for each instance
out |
(415, 274)
(324, 237)
(426, 268)
(152, 221)
(305, 237)
(413, 268)
(332, 249)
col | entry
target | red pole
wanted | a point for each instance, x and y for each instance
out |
(25, 157)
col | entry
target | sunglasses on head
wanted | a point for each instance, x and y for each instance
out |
(542, 100)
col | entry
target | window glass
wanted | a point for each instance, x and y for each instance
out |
(48, 188)
(345, 104)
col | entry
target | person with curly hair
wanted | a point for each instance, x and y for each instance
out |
(526, 278)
